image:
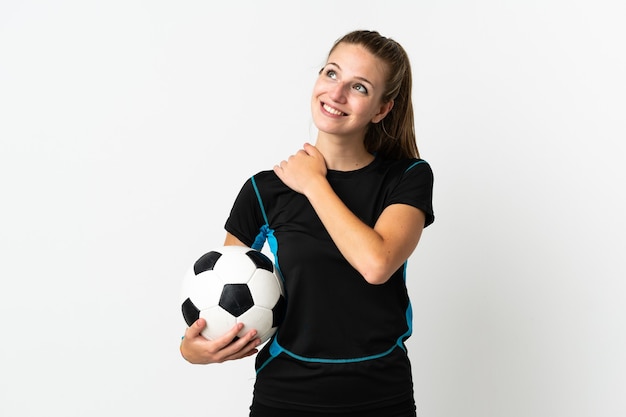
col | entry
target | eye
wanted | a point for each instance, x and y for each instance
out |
(330, 73)
(360, 88)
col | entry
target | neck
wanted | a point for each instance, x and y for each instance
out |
(342, 155)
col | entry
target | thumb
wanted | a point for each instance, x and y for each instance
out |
(195, 329)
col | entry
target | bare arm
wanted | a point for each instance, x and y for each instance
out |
(375, 252)
(231, 240)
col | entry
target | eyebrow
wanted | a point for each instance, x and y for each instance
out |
(359, 78)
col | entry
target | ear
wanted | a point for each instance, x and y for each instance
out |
(382, 111)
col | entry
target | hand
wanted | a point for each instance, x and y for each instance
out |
(302, 169)
(196, 349)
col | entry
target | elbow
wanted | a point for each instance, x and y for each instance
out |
(376, 279)
(377, 271)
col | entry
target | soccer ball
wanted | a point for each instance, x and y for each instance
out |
(234, 284)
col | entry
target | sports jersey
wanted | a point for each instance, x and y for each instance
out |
(341, 344)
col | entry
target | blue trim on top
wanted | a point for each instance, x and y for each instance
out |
(266, 233)
(408, 315)
(421, 161)
(258, 196)
(276, 349)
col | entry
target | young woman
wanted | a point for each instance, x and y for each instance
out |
(341, 218)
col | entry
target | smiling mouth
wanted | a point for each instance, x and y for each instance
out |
(332, 110)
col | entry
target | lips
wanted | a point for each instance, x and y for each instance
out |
(332, 110)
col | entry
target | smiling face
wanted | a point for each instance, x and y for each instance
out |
(347, 94)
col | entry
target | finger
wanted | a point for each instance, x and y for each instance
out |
(279, 168)
(195, 329)
(225, 340)
(243, 347)
(242, 341)
(309, 149)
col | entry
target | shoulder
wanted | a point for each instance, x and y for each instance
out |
(266, 179)
(411, 167)
(416, 163)
(418, 167)
(265, 176)
(412, 184)
(266, 184)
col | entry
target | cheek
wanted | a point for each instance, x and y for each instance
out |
(376, 110)
(314, 100)
(315, 109)
(318, 88)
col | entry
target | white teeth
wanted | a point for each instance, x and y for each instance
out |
(332, 111)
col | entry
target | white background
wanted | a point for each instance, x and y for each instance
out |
(127, 128)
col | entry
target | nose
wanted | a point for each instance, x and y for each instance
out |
(338, 92)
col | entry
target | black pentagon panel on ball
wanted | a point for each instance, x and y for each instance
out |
(236, 299)
(260, 260)
(279, 311)
(206, 262)
(190, 312)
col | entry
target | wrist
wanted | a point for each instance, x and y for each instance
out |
(316, 187)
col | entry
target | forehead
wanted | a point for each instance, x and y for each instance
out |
(357, 61)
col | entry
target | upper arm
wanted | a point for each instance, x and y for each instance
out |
(231, 240)
(400, 226)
